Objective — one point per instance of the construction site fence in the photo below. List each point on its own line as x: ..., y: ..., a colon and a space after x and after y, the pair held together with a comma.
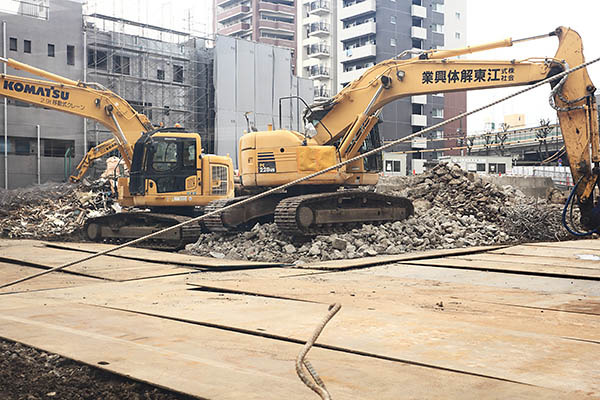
x: 560, y: 175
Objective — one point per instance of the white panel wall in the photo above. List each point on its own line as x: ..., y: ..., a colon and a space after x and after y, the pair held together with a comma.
x: 250, y: 78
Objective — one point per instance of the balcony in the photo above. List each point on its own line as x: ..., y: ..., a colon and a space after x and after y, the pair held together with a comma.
x: 227, y: 3
x: 356, y: 9
x: 416, y: 32
x: 279, y: 42
x: 418, y: 120
x: 318, y: 29
x: 419, y: 143
x: 322, y: 93
x: 319, y: 7
x: 418, y: 11
x: 282, y: 8
x: 277, y: 25
x: 318, y: 72
x: 421, y: 99
x: 349, y: 76
x: 357, y: 31
x: 232, y: 13
x: 240, y: 27
x: 369, y: 50
x: 318, y: 50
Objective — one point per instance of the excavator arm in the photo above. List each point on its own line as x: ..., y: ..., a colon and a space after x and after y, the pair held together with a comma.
x: 94, y: 153
x: 85, y: 100
x: 346, y: 119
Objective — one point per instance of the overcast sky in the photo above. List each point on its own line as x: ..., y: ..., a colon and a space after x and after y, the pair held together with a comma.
x: 494, y: 20
x: 486, y: 21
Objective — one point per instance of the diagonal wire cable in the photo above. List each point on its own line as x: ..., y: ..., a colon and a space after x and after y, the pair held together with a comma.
x: 317, y: 386
x: 315, y: 174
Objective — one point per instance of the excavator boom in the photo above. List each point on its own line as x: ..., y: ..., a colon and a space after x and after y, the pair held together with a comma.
x: 345, y: 123
x: 168, y: 171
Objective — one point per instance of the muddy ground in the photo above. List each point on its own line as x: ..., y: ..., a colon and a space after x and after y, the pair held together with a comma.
x: 27, y: 373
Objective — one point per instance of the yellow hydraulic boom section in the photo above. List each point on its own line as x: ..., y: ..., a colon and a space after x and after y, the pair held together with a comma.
x: 94, y: 153
x: 81, y: 99
x: 344, y: 122
x: 170, y: 168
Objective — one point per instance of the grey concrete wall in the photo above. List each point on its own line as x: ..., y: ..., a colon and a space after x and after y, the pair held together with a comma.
x: 62, y: 28
x: 251, y: 77
x: 530, y: 185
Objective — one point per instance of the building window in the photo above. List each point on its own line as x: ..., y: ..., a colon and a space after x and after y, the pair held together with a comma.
x: 438, y: 7
x: 437, y: 28
x: 417, y: 109
x: 26, y: 46
x: 121, y: 65
x: 393, y: 42
x: 457, y: 35
x: 12, y: 46
x: 438, y: 134
x: 392, y: 166
x: 50, y: 50
x: 97, y: 59
x: 393, y: 19
x: 417, y: 44
x: 178, y: 73
x: 417, y: 2
x: 70, y: 55
x: 160, y: 74
x: 23, y: 146
x: 57, y: 147
x: 480, y: 167
x: 437, y: 112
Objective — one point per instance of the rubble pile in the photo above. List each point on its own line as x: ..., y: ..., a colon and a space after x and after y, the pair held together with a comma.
x: 453, y: 209
x: 51, y: 209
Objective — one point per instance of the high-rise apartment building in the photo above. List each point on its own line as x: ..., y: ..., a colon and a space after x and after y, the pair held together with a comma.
x: 317, y: 48
x: 339, y: 39
x: 455, y: 103
x: 265, y: 21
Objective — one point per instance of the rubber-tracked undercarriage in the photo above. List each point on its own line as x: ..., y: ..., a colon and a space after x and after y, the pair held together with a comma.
x: 122, y: 227
x: 311, y: 214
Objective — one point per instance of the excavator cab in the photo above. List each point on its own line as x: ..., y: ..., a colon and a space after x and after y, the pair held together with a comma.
x: 167, y: 161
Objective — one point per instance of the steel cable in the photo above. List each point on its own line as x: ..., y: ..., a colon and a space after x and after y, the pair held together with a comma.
x: 313, y: 175
x: 316, y: 385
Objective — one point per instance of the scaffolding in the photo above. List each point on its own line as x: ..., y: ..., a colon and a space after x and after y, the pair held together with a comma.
x: 163, y: 73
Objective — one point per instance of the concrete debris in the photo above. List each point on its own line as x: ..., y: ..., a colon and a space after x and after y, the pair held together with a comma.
x: 52, y: 210
x: 453, y: 209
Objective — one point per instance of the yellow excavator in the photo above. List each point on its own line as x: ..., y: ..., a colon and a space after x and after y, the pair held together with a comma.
x: 344, y: 127
x: 168, y: 170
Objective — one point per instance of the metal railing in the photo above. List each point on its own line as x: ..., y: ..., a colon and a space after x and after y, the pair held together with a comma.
x: 28, y: 8
x: 318, y: 49
x: 318, y: 70
x: 322, y: 92
x: 318, y: 27
x: 319, y: 5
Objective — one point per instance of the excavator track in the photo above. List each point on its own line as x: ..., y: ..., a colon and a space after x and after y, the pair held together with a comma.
x: 326, y: 213
x: 243, y: 217
x: 123, y: 227
x: 215, y: 223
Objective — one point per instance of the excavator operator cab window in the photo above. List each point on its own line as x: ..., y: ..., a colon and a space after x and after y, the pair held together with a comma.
x: 189, y: 154
x: 165, y: 156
